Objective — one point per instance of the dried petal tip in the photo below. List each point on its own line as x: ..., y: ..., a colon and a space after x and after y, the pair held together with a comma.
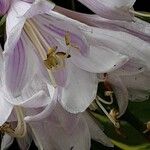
x: 4, y: 6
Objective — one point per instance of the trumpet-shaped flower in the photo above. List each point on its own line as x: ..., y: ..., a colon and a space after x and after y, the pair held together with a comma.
x: 62, y: 130
x: 34, y: 95
x: 39, y: 38
x: 136, y: 67
x: 137, y: 28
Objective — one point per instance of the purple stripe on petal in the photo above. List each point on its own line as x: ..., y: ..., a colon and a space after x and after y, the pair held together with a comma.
x: 4, y: 6
x: 15, y: 63
x: 96, y: 21
x: 60, y: 76
x: 56, y: 26
x: 74, y: 38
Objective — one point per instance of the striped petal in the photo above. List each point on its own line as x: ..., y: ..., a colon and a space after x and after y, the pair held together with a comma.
x: 19, y: 67
x: 121, y: 93
x: 137, y: 28
x: 6, y: 142
x: 112, y: 9
x: 5, y: 110
x: 80, y: 89
x: 4, y: 6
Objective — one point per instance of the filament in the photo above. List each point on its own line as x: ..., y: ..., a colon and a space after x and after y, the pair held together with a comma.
x: 104, y: 101
x: 116, y: 124
x: 140, y: 14
x: 33, y: 35
x: 21, y: 129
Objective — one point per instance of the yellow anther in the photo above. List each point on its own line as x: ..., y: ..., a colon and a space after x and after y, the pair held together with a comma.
x: 68, y: 39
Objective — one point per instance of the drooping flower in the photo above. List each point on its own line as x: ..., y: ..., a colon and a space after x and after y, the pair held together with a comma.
x: 36, y: 37
x: 62, y: 130
x: 34, y: 95
x: 137, y: 27
x: 136, y: 67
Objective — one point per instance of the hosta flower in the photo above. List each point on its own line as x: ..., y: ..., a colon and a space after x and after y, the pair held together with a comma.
x: 34, y: 95
x: 39, y: 38
x: 137, y: 28
x: 137, y: 64
x: 62, y: 130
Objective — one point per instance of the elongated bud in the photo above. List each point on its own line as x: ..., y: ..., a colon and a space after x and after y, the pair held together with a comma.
x: 4, y: 6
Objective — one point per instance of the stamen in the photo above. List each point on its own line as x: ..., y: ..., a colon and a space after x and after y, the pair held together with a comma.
x: 56, y: 60
x: 104, y: 101
x: 108, y: 90
x: 93, y: 106
x: 116, y: 124
x: 140, y: 14
x: 33, y: 35
x: 35, y: 40
x: 68, y: 41
x: 21, y: 129
x: 148, y: 127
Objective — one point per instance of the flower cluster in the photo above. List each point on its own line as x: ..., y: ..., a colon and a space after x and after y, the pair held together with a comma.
x: 53, y: 61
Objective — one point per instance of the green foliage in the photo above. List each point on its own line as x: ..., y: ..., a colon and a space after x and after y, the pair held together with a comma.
x: 134, y: 139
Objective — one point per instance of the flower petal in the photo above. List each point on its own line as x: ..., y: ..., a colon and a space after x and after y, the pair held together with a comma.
x: 55, y: 25
x: 40, y: 99
x: 120, y: 42
x: 138, y: 86
x: 6, y: 142
x: 4, y: 6
x: 80, y: 89
x: 55, y: 137
x: 137, y: 28
x: 120, y: 92
x: 1, y: 63
x: 99, y: 60
x: 47, y: 110
x: 132, y: 67
x: 5, y: 110
x: 19, y: 67
x: 25, y: 142
x: 112, y: 9
x: 17, y: 16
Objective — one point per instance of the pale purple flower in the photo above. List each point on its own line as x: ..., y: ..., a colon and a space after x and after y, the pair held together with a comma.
x: 32, y: 28
x: 34, y: 95
x: 62, y: 130
x: 136, y: 68
x: 138, y: 28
